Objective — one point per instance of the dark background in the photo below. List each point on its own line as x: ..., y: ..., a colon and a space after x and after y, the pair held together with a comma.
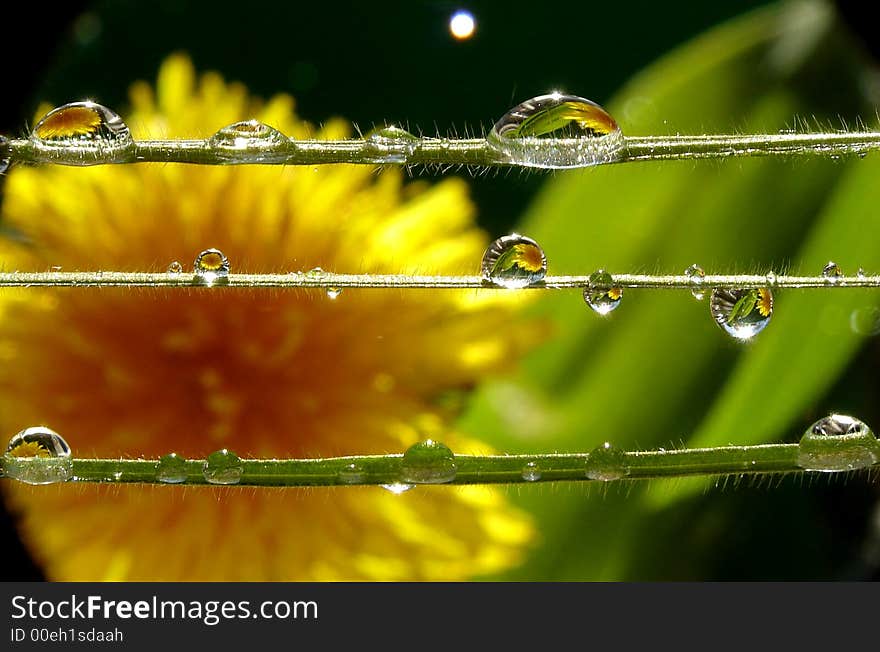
x: 396, y: 62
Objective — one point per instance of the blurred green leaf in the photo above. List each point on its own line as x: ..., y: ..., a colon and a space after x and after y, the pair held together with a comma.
x: 659, y: 369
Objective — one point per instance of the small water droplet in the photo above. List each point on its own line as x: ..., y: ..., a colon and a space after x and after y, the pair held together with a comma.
x: 333, y: 293
x: 211, y: 268
x: 865, y: 321
x: 89, y: 127
x: 390, y: 144
x: 316, y: 273
x: 222, y: 467
x: 696, y: 274
x: 838, y: 443
x: 531, y: 472
x: 771, y: 278
x: 5, y: 154
x: 602, y: 295
x: 742, y: 313
x: 514, y: 261
x: 252, y: 136
x: 428, y: 462
x: 38, y: 455
x: 351, y: 474
x: 606, y: 463
x: 831, y: 272
x: 557, y: 131
x: 861, y: 273
x: 174, y: 267
x: 397, y: 488
x: 171, y: 469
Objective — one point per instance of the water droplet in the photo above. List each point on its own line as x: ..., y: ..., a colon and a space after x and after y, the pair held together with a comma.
x: 696, y: 274
x: 742, y: 313
x: 531, y: 472
x: 831, y: 272
x: 5, y: 154
x: 87, y: 126
x: 171, y: 469
x: 397, y: 488
x: 333, y: 293
x: 861, y: 273
x: 514, y: 261
x: 557, y: 131
x: 838, y: 443
x: 390, y: 145
x: 38, y: 455
x: 351, y: 474
x: 211, y: 267
x: 251, y: 136
x: 771, y: 278
x: 222, y: 467
x: 428, y: 462
x: 606, y: 463
x: 602, y: 295
x: 865, y: 321
x: 174, y: 267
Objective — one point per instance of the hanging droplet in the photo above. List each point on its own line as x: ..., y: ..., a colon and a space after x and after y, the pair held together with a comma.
x: 557, y: 131
x: 696, y: 274
x: 351, y: 473
x: 222, y: 467
x: 87, y: 127
x: 259, y: 140
x: 531, y: 472
x: 606, y: 463
x: 390, y: 145
x: 333, y: 293
x: 831, y: 272
x: 38, y: 455
x: 602, y: 295
x: 428, y: 462
x: 211, y: 268
x: 514, y: 261
x: 171, y: 469
x: 742, y: 313
x: 838, y: 443
x: 174, y: 267
x: 398, y: 488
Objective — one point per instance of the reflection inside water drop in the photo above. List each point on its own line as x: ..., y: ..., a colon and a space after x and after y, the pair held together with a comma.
x: 428, y: 462
x: 696, y: 274
x: 838, y: 443
x: 514, y: 261
x: 557, y: 131
x: 602, y: 295
x: 742, y: 313
x: 250, y: 136
x: 390, y: 144
x: 222, y: 467
x: 38, y: 455
x: 832, y: 272
x: 211, y: 268
x: 171, y: 469
x: 87, y: 126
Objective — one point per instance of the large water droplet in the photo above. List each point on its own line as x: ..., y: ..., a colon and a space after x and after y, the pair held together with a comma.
x: 514, y: 261
x: 211, y: 268
x: 258, y: 139
x: 397, y: 488
x: 602, y: 295
x: 557, y: 131
x: 832, y: 272
x: 89, y: 127
x: 351, y: 473
x: 222, y: 467
x: 390, y: 145
x: 38, y: 455
x: 606, y: 463
x: 838, y: 443
x: 696, y: 274
x: 531, y: 472
x: 171, y: 469
x: 742, y: 313
x: 428, y: 462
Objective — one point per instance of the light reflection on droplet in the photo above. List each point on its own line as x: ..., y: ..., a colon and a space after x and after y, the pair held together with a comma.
x: 514, y: 261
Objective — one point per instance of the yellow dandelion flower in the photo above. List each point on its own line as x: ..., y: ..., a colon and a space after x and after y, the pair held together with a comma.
x: 264, y: 373
x: 765, y: 302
